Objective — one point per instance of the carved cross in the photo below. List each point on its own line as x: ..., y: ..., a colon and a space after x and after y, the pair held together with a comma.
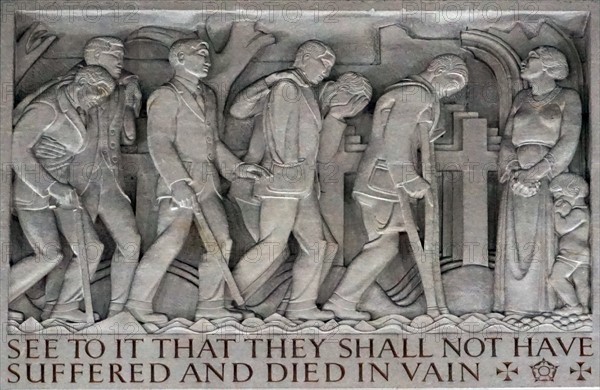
x: 474, y: 160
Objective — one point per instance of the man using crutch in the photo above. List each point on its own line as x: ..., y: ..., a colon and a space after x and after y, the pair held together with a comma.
x: 390, y: 174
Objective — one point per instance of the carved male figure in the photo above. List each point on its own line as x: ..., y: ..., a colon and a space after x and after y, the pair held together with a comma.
x: 404, y: 121
x: 111, y: 125
x: 570, y: 275
x: 96, y: 172
x: 185, y: 147
x: 55, y: 121
x: 338, y: 100
x: 291, y: 126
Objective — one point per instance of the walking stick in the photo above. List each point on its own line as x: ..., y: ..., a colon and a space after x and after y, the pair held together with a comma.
x: 422, y: 258
x: 207, y: 236
x: 432, y: 211
x: 77, y: 217
x: 83, y: 264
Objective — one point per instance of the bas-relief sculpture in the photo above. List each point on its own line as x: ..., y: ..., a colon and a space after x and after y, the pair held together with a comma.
x: 389, y: 176
x: 71, y: 128
x: 541, y: 135
x: 48, y: 135
x: 188, y: 154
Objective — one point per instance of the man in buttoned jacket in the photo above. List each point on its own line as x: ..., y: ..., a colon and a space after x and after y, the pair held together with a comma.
x: 291, y: 127
x: 389, y: 172
x: 99, y: 177
x: 96, y: 171
x: 185, y: 147
x: 48, y: 135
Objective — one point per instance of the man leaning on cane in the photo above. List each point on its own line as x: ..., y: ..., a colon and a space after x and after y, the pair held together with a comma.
x: 390, y: 173
x: 185, y: 147
x: 49, y: 133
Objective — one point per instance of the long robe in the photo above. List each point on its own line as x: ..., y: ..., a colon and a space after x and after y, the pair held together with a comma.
x: 536, y: 130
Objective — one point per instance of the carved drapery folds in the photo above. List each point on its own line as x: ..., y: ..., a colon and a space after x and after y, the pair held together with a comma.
x: 380, y: 199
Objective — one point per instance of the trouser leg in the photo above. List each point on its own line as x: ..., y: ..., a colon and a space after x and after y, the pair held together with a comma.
x: 72, y: 289
x: 116, y: 213
x: 54, y: 282
x: 366, y: 267
x: 277, y: 218
x: 41, y: 231
x: 375, y: 255
x: 173, y: 228
x: 211, y: 285
x: 330, y: 252
x: 306, y: 272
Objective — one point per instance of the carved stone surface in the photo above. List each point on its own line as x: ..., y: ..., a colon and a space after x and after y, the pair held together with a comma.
x: 354, y: 194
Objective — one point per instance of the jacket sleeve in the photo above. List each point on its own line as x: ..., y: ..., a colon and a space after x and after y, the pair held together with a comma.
x: 401, y: 135
x: 249, y: 102
x: 331, y: 136
x: 225, y: 160
x: 35, y: 119
x: 282, y: 122
x: 162, y: 126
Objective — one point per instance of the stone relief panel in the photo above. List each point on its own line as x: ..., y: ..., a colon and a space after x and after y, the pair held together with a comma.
x: 194, y: 174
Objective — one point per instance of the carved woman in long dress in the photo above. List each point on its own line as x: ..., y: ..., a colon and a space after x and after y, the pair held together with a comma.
x: 539, y: 142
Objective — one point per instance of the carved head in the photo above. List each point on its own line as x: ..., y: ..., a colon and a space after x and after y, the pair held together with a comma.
x: 545, y: 61
x: 448, y: 74
x: 314, y: 60
x: 107, y: 52
x: 341, y: 91
x: 92, y: 86
x: 568, y: 190
x: 190, y: 56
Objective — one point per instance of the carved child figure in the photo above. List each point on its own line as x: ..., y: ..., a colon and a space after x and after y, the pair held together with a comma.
x: 570, y: 275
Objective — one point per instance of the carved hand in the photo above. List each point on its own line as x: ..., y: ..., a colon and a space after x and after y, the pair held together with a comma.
x: 524, y: 187
x: 133, y: 95
x: 64, y: 194
x: 49, y: 148
x: 509, y: 171
x: 348, y: 110
x: 183, y: 194
x: 416, y: 188
x: 536, y: 172
x: 251, y: 171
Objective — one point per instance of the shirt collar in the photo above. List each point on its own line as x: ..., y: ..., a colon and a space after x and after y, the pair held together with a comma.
x: 65, y: 101
x: 188, y: 84
x: 423, y: 81
x: 301, y: 78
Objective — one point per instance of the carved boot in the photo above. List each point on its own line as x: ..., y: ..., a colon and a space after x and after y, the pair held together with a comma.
x: 144, y: 313
x: 216, y: 313
x: 114, y: 309
x: 69, y: 312
x: 16, y: 316
x: 345, y: 310
x: 47, y: 311
x: 311, y: 314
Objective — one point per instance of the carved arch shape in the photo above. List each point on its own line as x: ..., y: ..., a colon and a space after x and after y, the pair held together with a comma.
x: 504, y: 62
